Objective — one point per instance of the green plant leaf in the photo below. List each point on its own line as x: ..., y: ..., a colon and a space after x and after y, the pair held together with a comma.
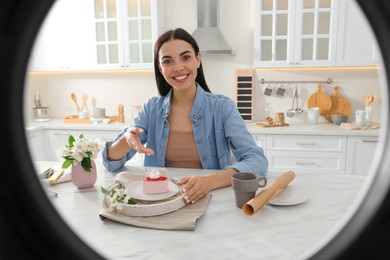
x: 105, y: 191
x: 66, y: 164
x: 86, y: 164
x: 71, y: 141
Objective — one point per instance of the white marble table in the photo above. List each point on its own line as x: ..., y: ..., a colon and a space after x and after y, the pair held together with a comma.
x: 224, y: 231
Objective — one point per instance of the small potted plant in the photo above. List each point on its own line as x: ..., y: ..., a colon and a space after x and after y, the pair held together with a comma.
x: 80, y: 153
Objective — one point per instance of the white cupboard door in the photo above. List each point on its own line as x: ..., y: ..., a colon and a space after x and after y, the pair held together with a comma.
x: 306, y: 162
x: 57, y: 140
x: 356, y: 44
x: 36, y: 141
x: 360, y: 154
x: 315, y: 33
x: 65, y: 38
x: 109, y: 135
x: 125, y: 33
x: 295, y: 33
x: 274, y: 33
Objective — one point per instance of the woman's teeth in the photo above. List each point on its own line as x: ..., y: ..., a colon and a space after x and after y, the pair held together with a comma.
x: 181, y: 77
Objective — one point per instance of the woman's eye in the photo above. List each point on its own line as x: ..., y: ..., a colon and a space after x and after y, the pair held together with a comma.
x: 166, y: 62
x: 186, y: 57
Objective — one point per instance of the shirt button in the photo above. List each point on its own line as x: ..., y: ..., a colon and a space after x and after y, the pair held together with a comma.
x: 204, y: 158
x: 197, y: 123
x: 199, y: 141
x: 194, y: 116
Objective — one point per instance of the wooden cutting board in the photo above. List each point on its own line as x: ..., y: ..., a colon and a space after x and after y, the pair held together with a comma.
x: 320, y: 99
x: 340, y: 105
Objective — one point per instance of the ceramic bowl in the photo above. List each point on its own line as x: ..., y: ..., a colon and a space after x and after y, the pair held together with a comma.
x: 338, y: 119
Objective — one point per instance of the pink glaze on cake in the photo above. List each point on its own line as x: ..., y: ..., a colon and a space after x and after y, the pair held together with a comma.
x: 154, y: 183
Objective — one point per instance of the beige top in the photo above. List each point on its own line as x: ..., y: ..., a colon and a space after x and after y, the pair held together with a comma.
x: 181, y: 150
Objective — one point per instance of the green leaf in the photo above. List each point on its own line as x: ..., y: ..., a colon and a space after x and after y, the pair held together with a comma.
x: 66, y: 164
x: 71, y: 141
x: 105, y: 191
x: 86, y: 164
x: 132, y: 201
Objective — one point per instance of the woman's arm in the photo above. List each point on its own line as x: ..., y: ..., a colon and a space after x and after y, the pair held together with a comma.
x: 196, y: 187
x: 125, y: 143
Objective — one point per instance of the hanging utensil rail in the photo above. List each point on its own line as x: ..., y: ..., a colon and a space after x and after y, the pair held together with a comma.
x: 263, y: 81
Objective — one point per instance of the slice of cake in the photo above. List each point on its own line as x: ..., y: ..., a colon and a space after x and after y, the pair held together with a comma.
x: 154, y: 182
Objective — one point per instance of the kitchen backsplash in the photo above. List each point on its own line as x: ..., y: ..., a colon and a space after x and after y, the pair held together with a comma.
x: 108, y: 89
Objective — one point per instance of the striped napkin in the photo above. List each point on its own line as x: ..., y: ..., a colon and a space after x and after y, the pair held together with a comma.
x: 185, y: 218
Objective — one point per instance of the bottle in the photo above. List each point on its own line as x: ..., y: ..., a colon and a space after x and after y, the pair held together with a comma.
x: 121, y: 114
x: 37, y: 100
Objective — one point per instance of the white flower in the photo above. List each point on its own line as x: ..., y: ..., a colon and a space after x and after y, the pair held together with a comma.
x: 79, y: 149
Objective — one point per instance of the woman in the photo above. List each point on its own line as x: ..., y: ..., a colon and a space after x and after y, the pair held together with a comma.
x: 187, y: 126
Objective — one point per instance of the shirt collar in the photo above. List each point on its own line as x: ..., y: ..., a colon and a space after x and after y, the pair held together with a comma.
x: 196, y: 110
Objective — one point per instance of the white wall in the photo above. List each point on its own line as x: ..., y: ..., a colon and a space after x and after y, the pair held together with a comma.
x: 108, y: 89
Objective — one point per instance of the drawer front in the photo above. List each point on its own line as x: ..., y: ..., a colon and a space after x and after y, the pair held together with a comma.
x: 306, y: 162
x: 306, y: 143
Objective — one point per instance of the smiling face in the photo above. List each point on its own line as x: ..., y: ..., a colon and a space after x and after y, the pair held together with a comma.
x: 178, y: 63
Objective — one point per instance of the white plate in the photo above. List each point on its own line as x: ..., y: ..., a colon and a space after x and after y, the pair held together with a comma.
x: 146, y: 210
x: 135, y: 190
x: 289, y: 196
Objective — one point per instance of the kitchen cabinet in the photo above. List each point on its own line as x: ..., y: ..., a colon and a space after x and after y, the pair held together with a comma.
x: 65, y: 38
x: 110, y: 135
x: 57, y: 139
x: 125, y: 34
x: 36, y: 141
x: 360, y: 154
x: 305, y: 154
x: 295, y: 33
x: 356, y: 44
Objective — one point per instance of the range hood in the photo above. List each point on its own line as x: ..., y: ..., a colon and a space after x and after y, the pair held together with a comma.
x: 208, y: 35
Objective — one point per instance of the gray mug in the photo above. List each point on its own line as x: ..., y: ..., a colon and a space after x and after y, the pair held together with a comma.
x: 245, y: 186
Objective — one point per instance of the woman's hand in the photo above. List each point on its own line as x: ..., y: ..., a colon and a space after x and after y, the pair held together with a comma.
x: 135, y: 143
x: 195, y: 188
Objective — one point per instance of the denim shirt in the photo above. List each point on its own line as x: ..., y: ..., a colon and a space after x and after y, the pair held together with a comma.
x: 218, y: 130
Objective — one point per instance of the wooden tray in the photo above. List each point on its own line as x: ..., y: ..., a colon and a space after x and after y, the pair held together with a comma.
x: 261, y: 124
x: 340, y: 105
x: 320, y: 99
x: 74, y: 119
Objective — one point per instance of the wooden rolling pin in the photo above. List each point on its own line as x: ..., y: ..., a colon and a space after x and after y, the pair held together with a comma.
x: 266, y: 195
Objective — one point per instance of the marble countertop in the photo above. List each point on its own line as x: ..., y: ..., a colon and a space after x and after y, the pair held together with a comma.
x: 224, y: 231
x: 293, y: 128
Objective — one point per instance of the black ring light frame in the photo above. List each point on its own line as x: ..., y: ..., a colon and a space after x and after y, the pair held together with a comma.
x: 31, y: 227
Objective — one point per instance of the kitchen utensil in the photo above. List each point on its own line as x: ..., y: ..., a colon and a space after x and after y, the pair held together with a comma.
x: 121, y: 113
x: 74, y: 98
x: 268, y: 90
x: 361, y: 117
x: 340, y: 105
x: 84, y: 104
x: 245, y: 186
x: 338, y: 119
x: 279, y: 118
x: 312, y: 115
x: 368, y: 100
x: 297, y: 108
x: 41, y: 114
x: 291, y: 112
x: 281, y: 90
x: 268, y: 193
x: 37, y: 100
x: 320, y: 99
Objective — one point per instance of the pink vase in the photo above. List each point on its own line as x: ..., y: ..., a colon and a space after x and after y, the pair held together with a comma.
x: 83, y: 179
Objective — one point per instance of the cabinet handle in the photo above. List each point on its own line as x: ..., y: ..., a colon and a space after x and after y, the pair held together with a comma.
x: 61, y: 133
x: 369, y: 141
x: 305, y: 163
x: 300, y: 143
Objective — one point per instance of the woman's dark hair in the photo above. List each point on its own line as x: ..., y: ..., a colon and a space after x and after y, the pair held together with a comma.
x: 177, y: 34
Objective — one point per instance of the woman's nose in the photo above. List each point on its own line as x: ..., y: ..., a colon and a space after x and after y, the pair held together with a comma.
x: 178, y: 66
